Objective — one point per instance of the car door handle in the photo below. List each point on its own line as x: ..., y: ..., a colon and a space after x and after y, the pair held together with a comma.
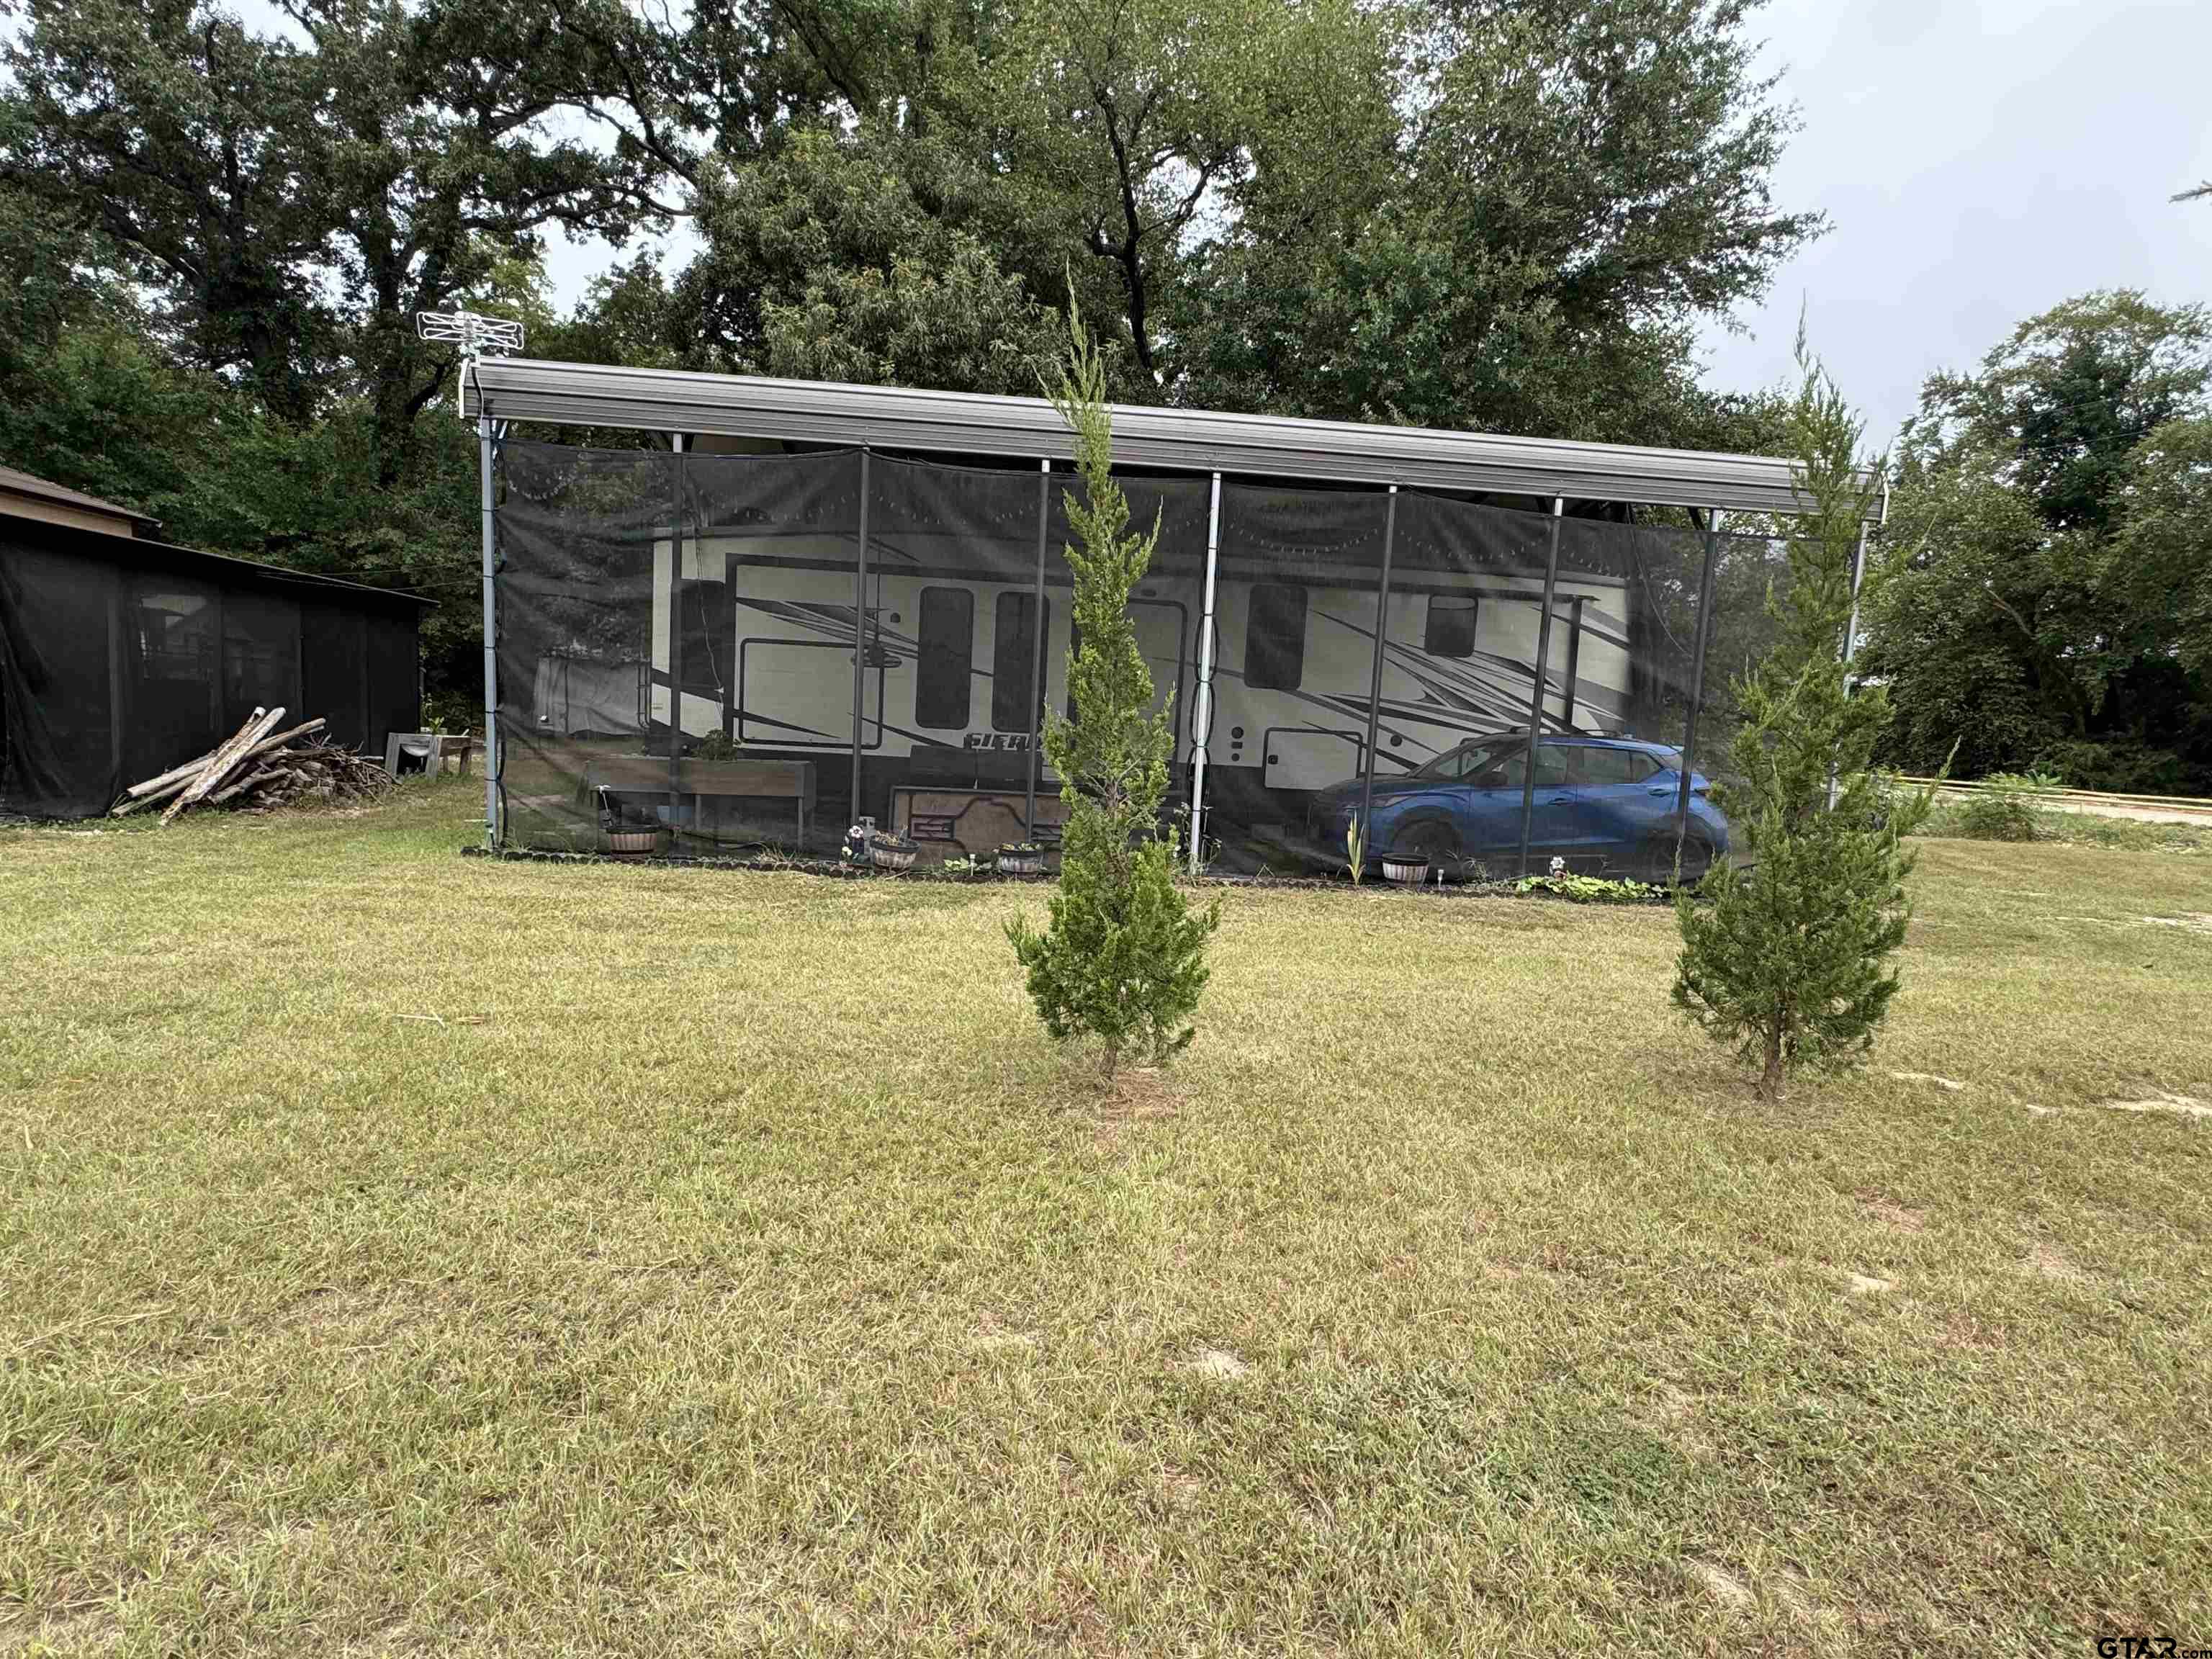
x: 1558, y: 801
x: 1668, y: 789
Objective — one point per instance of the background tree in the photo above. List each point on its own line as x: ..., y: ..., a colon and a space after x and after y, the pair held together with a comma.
x: 1122, y: 959
x: 1562, y: 192
x: 1789, y: 962
x: 1502, y: 216
x: 2049, y: 495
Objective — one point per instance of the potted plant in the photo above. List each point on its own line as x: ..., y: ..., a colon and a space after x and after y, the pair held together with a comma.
x: 1407, y: 871
x: 966, y: 867
x: 626, y: 838
x: 1022, y: 858
x: 889, y: 850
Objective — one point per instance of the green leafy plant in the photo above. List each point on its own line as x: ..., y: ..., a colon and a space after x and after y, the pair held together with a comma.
x: 1123, y: 959
x: 1590, y: 889
x: 1355, y: 850
x: 716, y: 746
x: 2008, y: 806
x: 1789, y: 962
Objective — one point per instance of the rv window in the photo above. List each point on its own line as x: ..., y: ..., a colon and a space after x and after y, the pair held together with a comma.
x: 946, y: 635
x: 1451, y: 625
x: 1275, y: 638
x: 1014, y: 661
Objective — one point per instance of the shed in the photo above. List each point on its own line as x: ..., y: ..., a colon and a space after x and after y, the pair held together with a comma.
x: 122, y: 655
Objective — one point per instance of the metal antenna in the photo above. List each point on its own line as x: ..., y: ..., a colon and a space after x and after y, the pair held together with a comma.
x: 475, y: 334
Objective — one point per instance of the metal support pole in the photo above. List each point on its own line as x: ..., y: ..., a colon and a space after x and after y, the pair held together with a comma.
x: 859, y: 635
x: 1202, y: 730
x: 1542, y: 674
x: 676, y: 639
x: 1850, y: 640
x: 1697, y: 685
x: 1375, y: 684
x: 1036, y: 641
x: 492, y: 825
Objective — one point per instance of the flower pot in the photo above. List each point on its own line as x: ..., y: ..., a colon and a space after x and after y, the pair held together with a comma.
x: 1014, y: 863
x: 885, y: 854
x: 1407, y: 872
x: 633, y: 843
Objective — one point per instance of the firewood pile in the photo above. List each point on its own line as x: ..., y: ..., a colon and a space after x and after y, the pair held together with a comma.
x: 260, y: 769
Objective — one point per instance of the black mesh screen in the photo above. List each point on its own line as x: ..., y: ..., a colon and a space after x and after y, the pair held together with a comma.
x: 261, y: 654
x: 57, y: 753
x: 120, y: 660
x: 676, y: 646
x: 756, y: 650
x: 334, y: 670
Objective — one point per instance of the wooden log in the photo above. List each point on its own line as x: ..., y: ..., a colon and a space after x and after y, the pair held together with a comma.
x: 177, y: 774
x: 226, y: 760
x: 155, y: 798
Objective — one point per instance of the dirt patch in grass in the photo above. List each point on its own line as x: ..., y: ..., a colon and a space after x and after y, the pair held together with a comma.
x: 2179, y: 1105
x: 1217, y: 1363
x: 1724, y: 1586
x: 1950, y: 1085
x: 2047, y: 1260
x: 1902, y: 1217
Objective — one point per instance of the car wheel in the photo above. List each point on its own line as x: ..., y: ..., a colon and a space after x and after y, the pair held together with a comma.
x: 1657, y: 863
x: 1434, y: 840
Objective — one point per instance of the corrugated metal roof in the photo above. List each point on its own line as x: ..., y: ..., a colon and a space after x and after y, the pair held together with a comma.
x: 1194, y: 440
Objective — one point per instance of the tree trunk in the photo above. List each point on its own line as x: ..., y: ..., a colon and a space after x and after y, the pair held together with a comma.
x: 1772, y: 1081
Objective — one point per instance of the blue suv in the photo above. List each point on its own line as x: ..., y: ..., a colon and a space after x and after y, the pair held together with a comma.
x: 1606, y: 806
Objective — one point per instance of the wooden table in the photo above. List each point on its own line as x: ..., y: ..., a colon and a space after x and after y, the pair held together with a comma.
x: 763, y: 780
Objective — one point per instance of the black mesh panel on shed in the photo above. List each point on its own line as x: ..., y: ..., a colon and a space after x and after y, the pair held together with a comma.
x: 261, y: 662
x: 333, y: 671
x: 395, y: 678
x: 58, y: 757
x: 172, y: 670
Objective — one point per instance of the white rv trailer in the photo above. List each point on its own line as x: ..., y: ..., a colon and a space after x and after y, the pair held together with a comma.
x: 949, y: 659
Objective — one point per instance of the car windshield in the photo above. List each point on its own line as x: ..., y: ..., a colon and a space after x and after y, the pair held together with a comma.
x: 1473, y: 759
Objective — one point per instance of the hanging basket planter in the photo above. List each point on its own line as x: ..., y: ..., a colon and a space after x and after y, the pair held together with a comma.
x: 1405, y: 872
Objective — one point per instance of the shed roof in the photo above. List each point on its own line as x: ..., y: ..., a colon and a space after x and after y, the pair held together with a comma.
x: 1194, y: 440
x: 15, y: 482
x: 16, y: 530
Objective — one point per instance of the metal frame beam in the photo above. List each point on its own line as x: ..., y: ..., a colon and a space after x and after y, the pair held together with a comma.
x: 1187, y: 441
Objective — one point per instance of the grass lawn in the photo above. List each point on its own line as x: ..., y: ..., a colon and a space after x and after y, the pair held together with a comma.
x: 736, y: 1268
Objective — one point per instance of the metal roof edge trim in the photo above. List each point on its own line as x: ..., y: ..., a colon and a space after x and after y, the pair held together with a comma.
x: 903, y: 417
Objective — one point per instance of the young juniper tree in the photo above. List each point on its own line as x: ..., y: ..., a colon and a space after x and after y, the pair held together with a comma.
x: 1789, y: 960
x: 1123, y: 959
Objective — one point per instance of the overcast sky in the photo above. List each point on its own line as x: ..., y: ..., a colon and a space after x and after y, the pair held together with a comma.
x: 1980, y: 161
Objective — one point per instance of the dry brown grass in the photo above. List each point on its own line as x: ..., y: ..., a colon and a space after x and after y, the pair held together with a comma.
x: 752, y: 1275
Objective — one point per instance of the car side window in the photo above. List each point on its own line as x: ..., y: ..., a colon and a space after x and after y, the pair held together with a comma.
x: 1499, y: 769
x: 1551, y: 766
x: 1599, y: 766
